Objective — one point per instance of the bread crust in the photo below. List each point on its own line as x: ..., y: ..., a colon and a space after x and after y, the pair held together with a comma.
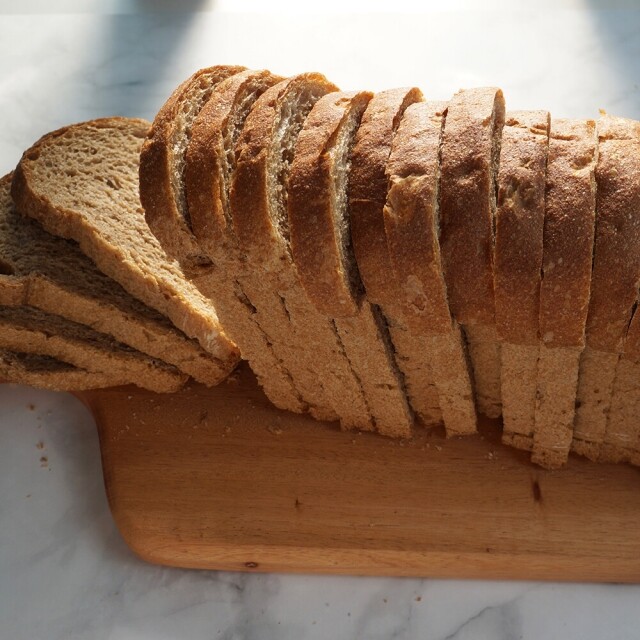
x: 410, y: 220
x: 471, y: 144
x: 368, y: 185
x: 159, y: 194
x: 569, y: 228
x: 520, y: 225
x: 616, y: 259
x: 315, y: 244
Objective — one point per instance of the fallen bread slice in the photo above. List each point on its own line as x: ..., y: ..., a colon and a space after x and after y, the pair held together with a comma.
x: 29, y: 330
x: 320, y: 241
x: 368, y: 187
x: 45, y: 372
x: 52, y: 274
x: 184, y: 194
x: 470, y: 156
x: 162, y: 166
x: 566, y: 281
x: 81, y: 182
x: 517, y: 267
x: 603, y: 428
x: 411, y: 220
x: 258, y: 204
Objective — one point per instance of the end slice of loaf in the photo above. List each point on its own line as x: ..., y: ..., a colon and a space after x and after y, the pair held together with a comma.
x: 162, y: 164
x: 321, y: 246
x: 599, y: 431
x: 411, y: 221
x: 44, y: 372
x: 368, y: 187
x: 517, y: 267
x: 566, y: 280
x: 258, y: 199
x: 53, y: 275
x: 81, y: 182
x: 470, y: 157
x: 29, y: 330
x: 180, y: 167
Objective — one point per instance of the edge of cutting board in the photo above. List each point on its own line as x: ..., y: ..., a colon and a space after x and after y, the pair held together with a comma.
x: 219, y: 479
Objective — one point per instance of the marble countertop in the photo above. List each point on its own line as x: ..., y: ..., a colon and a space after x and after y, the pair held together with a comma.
x: 65, y: 573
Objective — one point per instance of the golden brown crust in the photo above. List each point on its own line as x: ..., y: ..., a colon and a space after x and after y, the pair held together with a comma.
x: 616, y: 260
x: 410, y: 219
x: 568, y: 232
x: 157, y: 191
x: 249, y: 190
x: 368, y: 185
x: 314, y: 240
x: 520, y: 225
x: 471, y: 140
x: 204, y: 176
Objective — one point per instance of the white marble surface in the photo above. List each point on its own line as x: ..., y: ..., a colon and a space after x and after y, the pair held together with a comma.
x: 64, y: 571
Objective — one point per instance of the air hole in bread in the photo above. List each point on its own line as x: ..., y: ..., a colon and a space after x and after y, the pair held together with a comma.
x: 6, y: 269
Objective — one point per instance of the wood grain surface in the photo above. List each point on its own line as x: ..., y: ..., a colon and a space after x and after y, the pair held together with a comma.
x: 219, y: 479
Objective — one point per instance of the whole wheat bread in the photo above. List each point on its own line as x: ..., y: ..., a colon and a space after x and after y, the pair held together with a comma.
x: 29, y: 330
x: 320, y: 241
x: 566, y: 280
x: 204, y: 147
x: 162, y: 165
x: 517, y: 267
x: 368, y: 187
x: 599, y: 431
x: 411, y: 221
x: 52, y: 274
x: 44, y: 372
x: 470, y: 157
x: 258, y: 198
x: 81, y: 182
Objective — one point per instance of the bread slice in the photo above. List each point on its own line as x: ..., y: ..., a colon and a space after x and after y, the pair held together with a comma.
x: 53, y: 275
x: 368, y: 186
x: 209, y: 168
x: 470, y: 155
x: 566, y: 280
x: 162, y: 165
x: 320, y: 242
x: 81, y: 182
x: 174, y: 202
x: 517, y: 267
x: 45, y: 372
x: 258, y: 200
x: 411, y: 219
x: 600, y: 432
x: 29, y: 330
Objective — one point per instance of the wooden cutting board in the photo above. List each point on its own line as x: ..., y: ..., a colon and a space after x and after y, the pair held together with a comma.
x: 219, y: 479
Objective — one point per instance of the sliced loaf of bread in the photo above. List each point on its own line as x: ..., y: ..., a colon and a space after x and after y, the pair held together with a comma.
x: 180, y: 192
x: 81, y: 183
x: 52, y: 274
x: 606, y: 422
x: 368, y: 188
x: 470, y: 157
x: 566, y: 281
x: 44, y: 372
x: 517, y: 267
x: 321, y: 247
x: 29, y: 330
x: 411, y: 221
x: 258, y: 198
